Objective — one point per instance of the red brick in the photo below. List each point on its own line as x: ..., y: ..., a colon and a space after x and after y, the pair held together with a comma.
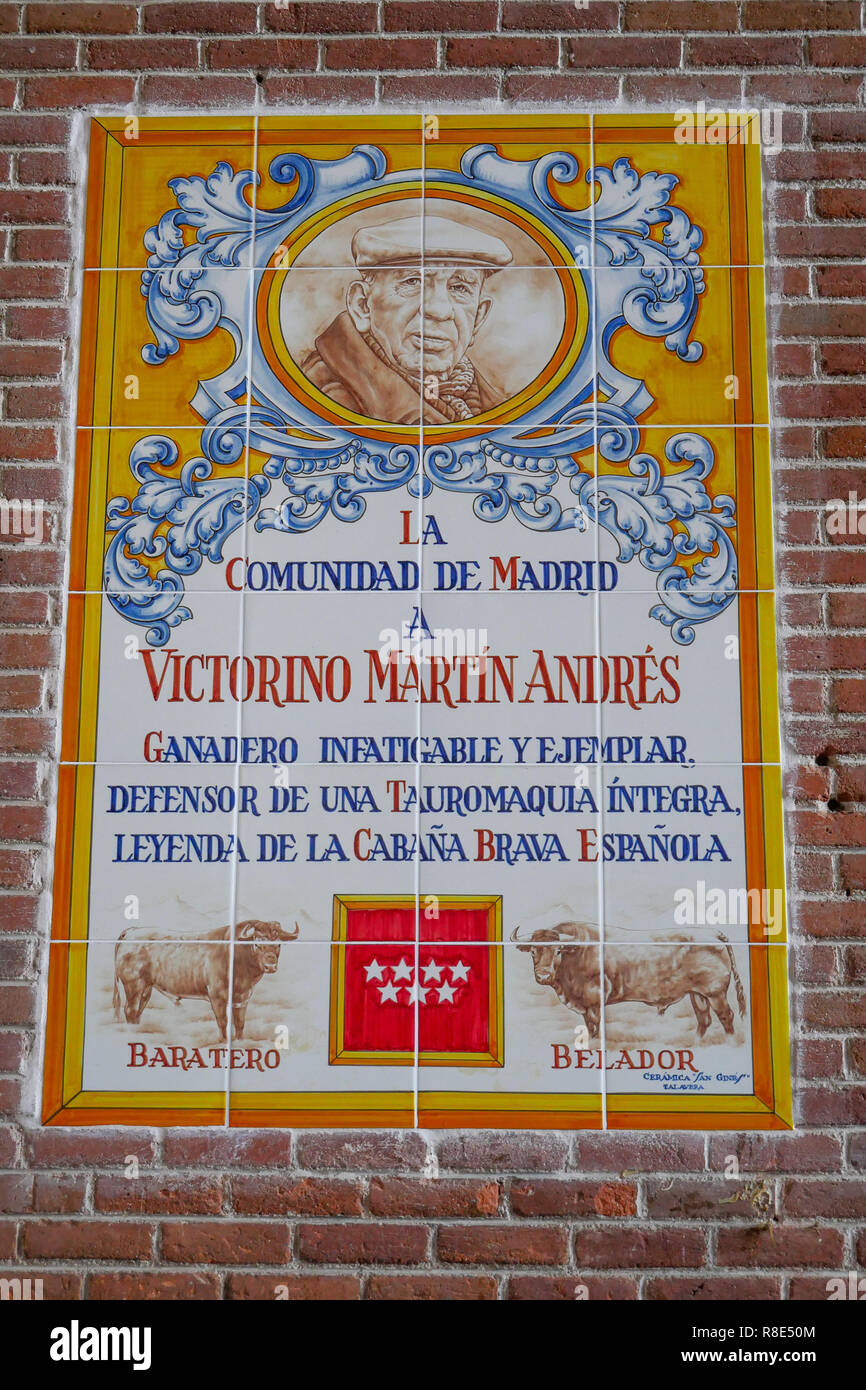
x: 16, y: 1193
x: 200, y: 17
x: 32, y: 54
x: 207, y: 90
x: 380, y: 55
x: 842, y: 51
x: 264, y: 52
x: 559, y: 16
x: 159, y: 1194
x: 427, y: 1288
x: 831, y: 651
x: 776, y: 1153
x: 557, y: 1288
x: 822, y: 1106
x: 78, y: 89
x: 559, y: 86
x: 707, y: 1200
x: 503, y: 1245
x: 337, y: 1243
x: 80, y: 19
x: 817, y: 240
x: 20, y: 913
x: 308, y: 1288
x: 788, y: 14
x: 846, y: 203
x: 42, y: 244
x: 737, y: 51
x: 433, y: 1198
x: 33, y: 205
x: 13, y: 1049
x: 31, y: 282
x: 44, y: 166
x: 17, y: 359
x: 819, y: 1057
x: 209, y: 1148
x: 809, y: 88
x: 17, y: 1002
x: 817, y: 165
x: 319, y: 87
x: 852, y: 869
x: 838, y: 1010
x: 571, y: 1197
x: 26, y: 823
x: 846, y: 609
x: 440, y: 86
x: 779, y: 1247
x: 66, y: 1239
x: 812, y: 873
x: 86, y: 1148
x: 838, y: 127
x: 141, y: 54
x: 842, y: 1199
x: 226, y: 1242
x: 630, y: 1247
x: 27, y: 734
x: 638, y: 1153
x: 61, y: 1193
x: 620, y: 51
x: 54, y: 1286
x: 445, y: 17
x: 321, y: 17
x: 296, y: 1196
x: 361, y: 1152
x: 24, y: 128
x: 19, y: 693
x: 845, y: 442
x: 811, y: 1287
x: 709, y: 1289
x: 156, y: 1284
x: 682, y: 18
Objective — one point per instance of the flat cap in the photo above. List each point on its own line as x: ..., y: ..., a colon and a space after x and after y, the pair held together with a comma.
x: 434, y: 239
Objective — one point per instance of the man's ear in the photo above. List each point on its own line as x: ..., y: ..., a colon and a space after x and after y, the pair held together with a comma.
x: 480, y: 315
x: 358, y: 305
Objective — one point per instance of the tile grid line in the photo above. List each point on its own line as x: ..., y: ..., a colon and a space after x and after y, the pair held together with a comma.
x: 599, y: 818
x: 239, y: 717
x: 418, y: 713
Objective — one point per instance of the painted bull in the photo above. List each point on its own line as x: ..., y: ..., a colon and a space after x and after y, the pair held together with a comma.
x: 568, y: 959
x: 187, y: 968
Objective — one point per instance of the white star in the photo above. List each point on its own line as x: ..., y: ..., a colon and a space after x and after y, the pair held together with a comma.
x: 417, y: 992
x: 389, y: 992
x: 374, y: 971
x: 402, y: 971
x: 432, y: 971
x: 459, y: 971
x: 446, y: 991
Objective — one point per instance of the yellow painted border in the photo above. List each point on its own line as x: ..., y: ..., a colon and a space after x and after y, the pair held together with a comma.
x: 65, y: 1102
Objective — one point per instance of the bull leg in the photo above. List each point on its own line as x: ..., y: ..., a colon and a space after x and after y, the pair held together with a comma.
x: 239, y: 1014
x: 136, y: 999
x: 219, y: 1004
x: 592, y: 1017
x: 722, y: 1010
x: 702, y: 1012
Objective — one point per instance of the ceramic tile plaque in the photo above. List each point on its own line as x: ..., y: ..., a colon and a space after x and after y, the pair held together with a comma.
x: 420, y: 756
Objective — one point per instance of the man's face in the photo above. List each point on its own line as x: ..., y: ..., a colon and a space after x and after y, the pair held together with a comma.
x: 387, y: 303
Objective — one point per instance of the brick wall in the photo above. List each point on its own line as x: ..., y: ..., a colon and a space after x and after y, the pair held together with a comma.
x: 381, y: 1215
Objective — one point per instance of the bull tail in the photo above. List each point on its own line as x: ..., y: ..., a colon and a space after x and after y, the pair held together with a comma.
x: 738, y: 984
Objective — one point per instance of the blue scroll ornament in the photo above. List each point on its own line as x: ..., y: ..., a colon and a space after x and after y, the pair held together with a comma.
x: 193, y: 286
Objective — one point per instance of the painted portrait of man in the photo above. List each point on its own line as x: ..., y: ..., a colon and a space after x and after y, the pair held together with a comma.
x: 407, y: 335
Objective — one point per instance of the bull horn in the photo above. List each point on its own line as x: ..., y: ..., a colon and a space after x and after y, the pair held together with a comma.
x: 514, y: 936
x: 292, y: 935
